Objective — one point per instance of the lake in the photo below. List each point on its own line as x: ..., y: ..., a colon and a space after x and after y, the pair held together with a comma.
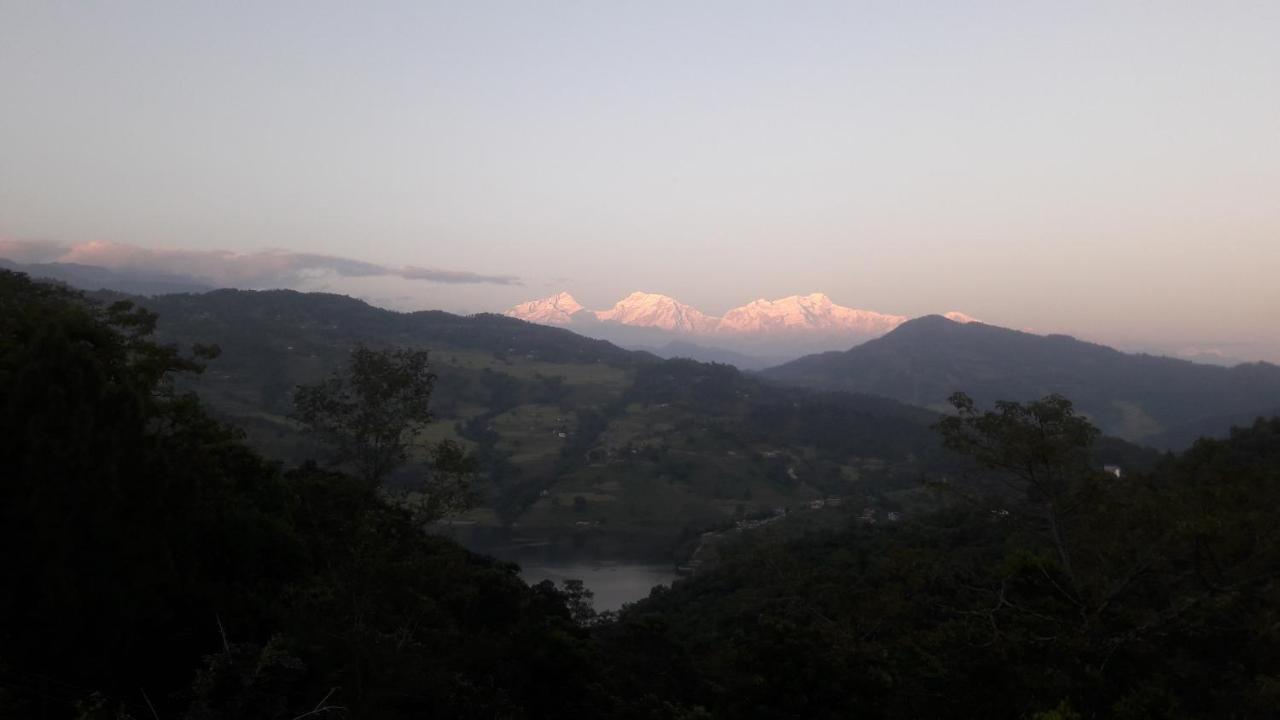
x: 616, y: 567
x: 614, y: 584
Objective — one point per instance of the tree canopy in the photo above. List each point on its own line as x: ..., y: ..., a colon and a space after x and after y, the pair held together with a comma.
x: 370, y: 414
x: 1156, y: 596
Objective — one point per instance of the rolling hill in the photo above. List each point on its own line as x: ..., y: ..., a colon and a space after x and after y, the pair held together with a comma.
x: 577, y: 437
x: 1158, y: 401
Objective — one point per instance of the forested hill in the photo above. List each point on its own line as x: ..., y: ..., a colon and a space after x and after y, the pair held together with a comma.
x: 273, y: 341
x: 571, y: 432
x: 1142, y: 398
x: 306, y: 321
x: 1167, y: 609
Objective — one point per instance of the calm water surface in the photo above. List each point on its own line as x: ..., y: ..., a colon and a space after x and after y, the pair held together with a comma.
x: 610, y: 566
x: 614, y: 584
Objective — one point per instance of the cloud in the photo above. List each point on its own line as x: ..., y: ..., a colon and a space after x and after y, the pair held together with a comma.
x: 455, y: 277
x: 266, y: 269
x: 30, y: 251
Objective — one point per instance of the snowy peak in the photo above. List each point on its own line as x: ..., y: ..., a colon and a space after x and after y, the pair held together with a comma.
x: 643, y: 309
x: 806, y: 313
x: 555, y: 310
x: 797, y: 316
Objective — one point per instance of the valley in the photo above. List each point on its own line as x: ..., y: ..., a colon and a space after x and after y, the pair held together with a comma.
x: 576, y: 438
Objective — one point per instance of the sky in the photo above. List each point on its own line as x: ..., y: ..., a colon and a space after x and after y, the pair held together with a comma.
x: 1107, y: 169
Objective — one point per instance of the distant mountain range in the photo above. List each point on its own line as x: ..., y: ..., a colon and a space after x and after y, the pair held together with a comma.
x: 787, y: 327
x: 1159, y: 401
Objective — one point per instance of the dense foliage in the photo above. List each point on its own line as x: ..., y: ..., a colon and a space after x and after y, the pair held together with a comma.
x: 1048, y: 589
x: 370, y: 413
x: 152, y: 560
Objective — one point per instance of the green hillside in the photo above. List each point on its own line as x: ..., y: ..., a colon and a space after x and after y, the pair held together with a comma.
x: 574, y: 435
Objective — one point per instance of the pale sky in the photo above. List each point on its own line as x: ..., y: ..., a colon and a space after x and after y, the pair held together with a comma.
x: 1108, y: 169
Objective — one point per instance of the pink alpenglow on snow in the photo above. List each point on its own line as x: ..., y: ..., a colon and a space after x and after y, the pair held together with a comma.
x: 806, y: 313
x: 641, y: 309
x: 555, y: 310
x: 796, y: 315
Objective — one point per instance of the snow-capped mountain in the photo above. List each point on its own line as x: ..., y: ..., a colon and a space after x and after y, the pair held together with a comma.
x: 555, y: 310
x: 640, y: 309
x: 814, y: 313
x: 784, y: 328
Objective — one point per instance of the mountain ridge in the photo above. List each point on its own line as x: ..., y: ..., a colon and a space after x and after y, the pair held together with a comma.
x: 814, y: 313
x: 555, y: 310
x: 645, y: 309
x: 1139, y: 397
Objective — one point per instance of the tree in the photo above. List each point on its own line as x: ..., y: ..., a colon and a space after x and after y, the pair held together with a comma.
x: 371, y: 415
x: 1039, y: 450
x: 449, y: 488
x: 1110, y: 579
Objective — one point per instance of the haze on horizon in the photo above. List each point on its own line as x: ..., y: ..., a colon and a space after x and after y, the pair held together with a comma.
x: 1111, y: 170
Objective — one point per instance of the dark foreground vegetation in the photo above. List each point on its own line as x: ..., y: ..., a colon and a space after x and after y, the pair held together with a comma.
x: 154, y: 566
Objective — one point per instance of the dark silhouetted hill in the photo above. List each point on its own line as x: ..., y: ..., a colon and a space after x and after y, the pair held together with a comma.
x: 1159, y: 401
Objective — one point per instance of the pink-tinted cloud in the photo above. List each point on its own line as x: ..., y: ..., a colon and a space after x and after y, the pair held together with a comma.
x: 271, y: 268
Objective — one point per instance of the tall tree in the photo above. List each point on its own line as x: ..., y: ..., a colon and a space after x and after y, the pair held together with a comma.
x: 371, y: 415
x: 1039, y: 450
